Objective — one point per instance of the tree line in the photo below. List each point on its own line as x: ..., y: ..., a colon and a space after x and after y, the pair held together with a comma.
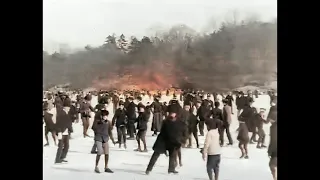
x: 229, y: 57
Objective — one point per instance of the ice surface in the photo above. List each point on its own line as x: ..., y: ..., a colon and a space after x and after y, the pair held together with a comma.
x: 128, y: 164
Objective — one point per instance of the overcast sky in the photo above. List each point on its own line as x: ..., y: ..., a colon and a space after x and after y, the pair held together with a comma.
x: 81, y: 22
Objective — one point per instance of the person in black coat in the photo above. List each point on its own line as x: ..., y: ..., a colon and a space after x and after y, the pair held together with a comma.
x: 120, y: 120
x: 142, y: 127
x: 131, y: 114
x: 63, y: 125
x: 171, y: 137
x: 202, y: 114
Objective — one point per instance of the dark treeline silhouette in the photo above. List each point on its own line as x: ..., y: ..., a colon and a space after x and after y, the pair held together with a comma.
x: 230, y: 57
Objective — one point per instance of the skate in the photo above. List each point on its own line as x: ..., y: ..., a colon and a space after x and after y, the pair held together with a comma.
x: 93, y: 152
x: 96, y: 169
x: 145, y: 150
x: 246, y: 157
x: 58, y: 162
x: 64, y: 161
x: 242, y: 156
x: 125, y: 146
x: 198, y: 146
x: 263, y: 146
x: 47, y: 144
x: 230, y: 144
x: 130, y: 138
x: 147, y: 172
x: 107, y: 170
x: 138, y: 149
x: 173, y: 172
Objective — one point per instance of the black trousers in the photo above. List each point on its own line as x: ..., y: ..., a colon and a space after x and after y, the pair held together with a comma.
x: 193, y: 132
x: 131, y: 128
x: 121, y: 131
x: 213, y: 164
x: 225, y: 128
x: 201, y: 127
x: 172, y: 160
x: 262, y: 135
x: 63, y: 148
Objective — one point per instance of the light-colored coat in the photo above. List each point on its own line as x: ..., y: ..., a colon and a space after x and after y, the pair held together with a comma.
x: 212, y: 143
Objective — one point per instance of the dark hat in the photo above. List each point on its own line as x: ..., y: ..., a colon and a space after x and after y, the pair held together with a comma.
x: 45, y: 105
x: 121, y: 103
x: 104, y: 113
x: 67, y: 103
x: 173, y: 109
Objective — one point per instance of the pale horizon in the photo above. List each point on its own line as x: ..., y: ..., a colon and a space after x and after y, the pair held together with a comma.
x: 77, y: 23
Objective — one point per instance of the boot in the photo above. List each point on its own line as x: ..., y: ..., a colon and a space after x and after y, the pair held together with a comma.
x: 107, y: 170
x: 96, y: 169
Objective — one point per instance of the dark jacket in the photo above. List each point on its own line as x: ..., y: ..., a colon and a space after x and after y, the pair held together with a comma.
x: 64, y: 119
x: 227, y: 114
x: 193, y: 122
x: 230, y: 100
x: 100, y: 128
x: 50, y: 125
x: 157, y: 108
x: 85, y: 109
x: 272, y: 150
x: 203, y: 112
x: 142, y: 121
x: 174, y: 133
x: 120, y: 118
x: 217, y: 114
x: 240, y: 102
x: 131, y: 111
x: 185, y: 116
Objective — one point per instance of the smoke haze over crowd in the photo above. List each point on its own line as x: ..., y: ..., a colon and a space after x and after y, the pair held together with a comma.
x: 232, y: 52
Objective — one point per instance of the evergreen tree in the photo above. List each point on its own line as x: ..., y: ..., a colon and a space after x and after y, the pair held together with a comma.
x: 122, y: 43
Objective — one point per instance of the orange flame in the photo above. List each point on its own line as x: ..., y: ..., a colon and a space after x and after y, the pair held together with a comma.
x: 151, y: 77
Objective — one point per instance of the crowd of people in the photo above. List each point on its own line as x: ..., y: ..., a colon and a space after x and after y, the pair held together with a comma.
x: 174, y: 123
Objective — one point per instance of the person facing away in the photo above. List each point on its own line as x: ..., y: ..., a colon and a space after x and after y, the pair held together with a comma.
x: 170, y: 138
x: 211, y: 150
x: 227, y: 118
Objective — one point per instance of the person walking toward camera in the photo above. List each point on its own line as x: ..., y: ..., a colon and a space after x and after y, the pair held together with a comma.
x: 101, y: 138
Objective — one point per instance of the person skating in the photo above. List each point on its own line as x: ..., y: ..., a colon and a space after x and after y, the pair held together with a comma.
x: 227, y: 118
x: 211, y: 150
x: 142, y: 127
x: 85, y: 110
x: 101, y: 137
x: 131, y: 110
x: 170, y: 138
x: 49, y: 120
x: 272, y: 149
x: 63, y: 125
x: 120, y: 120
x: 156, y: 109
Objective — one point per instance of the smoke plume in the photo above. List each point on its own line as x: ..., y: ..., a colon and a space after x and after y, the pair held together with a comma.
x: 232, y: 56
